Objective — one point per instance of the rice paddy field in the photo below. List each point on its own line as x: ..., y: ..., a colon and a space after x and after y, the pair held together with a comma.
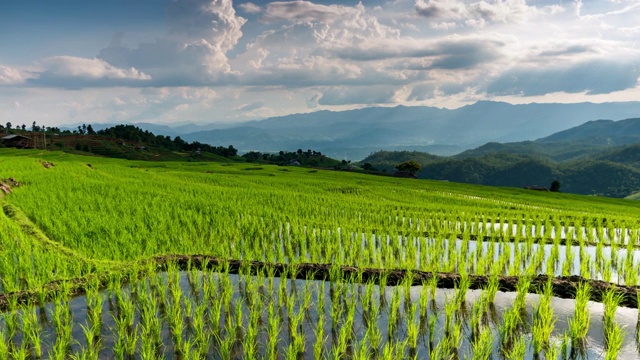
x: 104, y: 258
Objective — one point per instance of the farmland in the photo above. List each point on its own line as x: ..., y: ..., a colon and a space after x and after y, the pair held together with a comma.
x: 104, y: 258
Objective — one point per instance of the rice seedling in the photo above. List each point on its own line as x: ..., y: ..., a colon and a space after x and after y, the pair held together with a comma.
x: 492, y: 288
x: 413, y: 328
x: 614, y: 337
x: 482, y: 345
x: 394, y: 312
x: 613, y: 334
x: 202, y: 337
x: 31, y: 331
x: 4, y: 348
x: 93, y: 344
x: 543, y: 322
x: 11, y: 319
x: 226, y: 343
x: 434, y: 227
x: 519, y: 304
x: 517, y: 351
x: 131, y: 341
x: 61, y: 315
x: 273, y: 332
x: 509, y: 329
x: 21, y: 353
x: 579, y: 323
x: 119, y: 346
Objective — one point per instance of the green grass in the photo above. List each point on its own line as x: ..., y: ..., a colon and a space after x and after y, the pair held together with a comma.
x: 119, y: 209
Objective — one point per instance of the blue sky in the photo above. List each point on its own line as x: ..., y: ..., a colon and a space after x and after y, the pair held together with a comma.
x: 224, y: 61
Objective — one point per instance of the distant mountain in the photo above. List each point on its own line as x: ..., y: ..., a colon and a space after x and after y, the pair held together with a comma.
x: 589, y: 140
x: 598, y: 157
x: 354, y: 134
x: 165, y: 130
x: 600, y: 131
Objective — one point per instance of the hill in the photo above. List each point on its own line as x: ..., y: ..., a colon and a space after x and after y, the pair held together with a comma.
x: 125, y: 142
x: 598, y: 176
x: 132, y: 143
x: 354, y: 134
x: 597, y: 158
x: 600, y: 131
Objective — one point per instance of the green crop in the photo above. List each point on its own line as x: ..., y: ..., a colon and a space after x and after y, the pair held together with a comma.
x: 105, y: 231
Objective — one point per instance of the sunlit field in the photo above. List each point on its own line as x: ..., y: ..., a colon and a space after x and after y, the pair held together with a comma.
x: 104, y: 258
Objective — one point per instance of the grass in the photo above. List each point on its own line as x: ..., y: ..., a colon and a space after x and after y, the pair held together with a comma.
x: 98, y: 226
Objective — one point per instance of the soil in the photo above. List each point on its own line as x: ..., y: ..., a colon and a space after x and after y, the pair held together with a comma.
x: 47, y: 164
x: 563, y: 287
x: 7, y: 184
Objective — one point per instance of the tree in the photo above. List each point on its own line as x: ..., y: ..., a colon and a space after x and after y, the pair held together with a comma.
x: 90, y: 130
x: 555, y: 186
x: 410, y: 166
x: 368, y: 167
x: 8, y: 125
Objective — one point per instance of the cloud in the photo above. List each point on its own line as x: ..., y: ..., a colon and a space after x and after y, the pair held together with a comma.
x: 632, y: 7
x: 305, y: 11
x: 10, y: 76
x: 251, y: 106
x: 441, y: 9
x: 194, y: 49
x: 343, y: 95
x: 69, y: 71
x: 250, y: 8
x: 302, y: 53
x: 454, y: 52
x: 446, y: 13
x: 567, y: 50
x: 590, y: 77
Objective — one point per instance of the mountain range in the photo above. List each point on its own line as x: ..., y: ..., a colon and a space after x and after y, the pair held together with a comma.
x: 596, y: 158
x: 354, y: 134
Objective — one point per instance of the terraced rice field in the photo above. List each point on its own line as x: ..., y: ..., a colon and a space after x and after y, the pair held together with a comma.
x: 103, y: 258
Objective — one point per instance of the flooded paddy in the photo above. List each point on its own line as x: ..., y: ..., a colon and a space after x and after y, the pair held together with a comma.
x: 194, y: 314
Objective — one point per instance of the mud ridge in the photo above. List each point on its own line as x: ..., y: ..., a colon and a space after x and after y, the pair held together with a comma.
x: 564, y: 287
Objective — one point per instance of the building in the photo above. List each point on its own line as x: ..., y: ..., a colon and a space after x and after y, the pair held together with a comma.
x: 18, y: 141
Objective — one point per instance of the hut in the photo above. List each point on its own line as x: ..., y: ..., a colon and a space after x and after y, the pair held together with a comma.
x: 17, y: 141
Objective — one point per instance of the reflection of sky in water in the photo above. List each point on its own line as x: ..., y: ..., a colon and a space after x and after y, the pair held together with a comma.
x: 527, y: 253
x: 563, y: 311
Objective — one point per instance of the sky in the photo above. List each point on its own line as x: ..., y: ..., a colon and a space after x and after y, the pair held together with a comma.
x: 230, y: 61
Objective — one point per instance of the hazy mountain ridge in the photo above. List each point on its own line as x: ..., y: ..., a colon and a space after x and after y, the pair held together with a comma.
x: 613, y: 132
x: 353, y: 134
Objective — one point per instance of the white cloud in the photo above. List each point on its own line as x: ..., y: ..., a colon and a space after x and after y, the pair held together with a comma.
x: 305, y: 11
x: 250, y: 106
x: 297, y: 55
x: 307, y: 49
x: 194, y: 50
x: 10, y: 76
x: 250, y: 8
x: 69, y: 71
x: 445, y: 13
